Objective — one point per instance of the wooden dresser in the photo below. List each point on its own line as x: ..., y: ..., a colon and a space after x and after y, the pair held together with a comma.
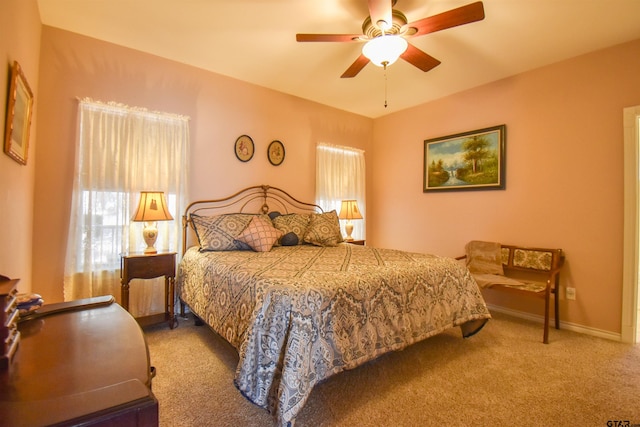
x: 79, y: 363
x: 9, y: 335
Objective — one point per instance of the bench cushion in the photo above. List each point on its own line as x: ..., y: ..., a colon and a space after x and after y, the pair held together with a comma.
x: 489, y: 280
x: 485, y: 262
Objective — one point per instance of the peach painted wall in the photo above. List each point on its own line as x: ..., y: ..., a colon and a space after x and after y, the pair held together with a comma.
x: 564, y: 157
x: 19, y: 41
x: 221, y: 109
x: 564, y: 176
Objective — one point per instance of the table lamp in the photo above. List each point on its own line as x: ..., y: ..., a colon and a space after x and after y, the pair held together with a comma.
x: 152, y: 208
x: 349, y: 211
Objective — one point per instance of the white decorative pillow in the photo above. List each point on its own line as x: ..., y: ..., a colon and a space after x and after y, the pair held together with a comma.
x: 324, y: 229
x: 260, y: 235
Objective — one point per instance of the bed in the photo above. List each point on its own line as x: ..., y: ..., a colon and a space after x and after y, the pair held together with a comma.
x: 308, y: 305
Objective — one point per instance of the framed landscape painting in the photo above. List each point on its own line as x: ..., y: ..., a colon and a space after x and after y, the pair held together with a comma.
x: 472, y: 160
x: 19, y: 109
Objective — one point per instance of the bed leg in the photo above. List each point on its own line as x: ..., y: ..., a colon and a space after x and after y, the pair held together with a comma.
x: 182, y: 314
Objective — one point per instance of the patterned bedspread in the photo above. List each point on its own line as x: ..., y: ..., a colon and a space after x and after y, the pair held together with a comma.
x: 299, y: 314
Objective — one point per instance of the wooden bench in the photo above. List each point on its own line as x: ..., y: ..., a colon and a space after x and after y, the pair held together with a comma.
x: 526, y: 271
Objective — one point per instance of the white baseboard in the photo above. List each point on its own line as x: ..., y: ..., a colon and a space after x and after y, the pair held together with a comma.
x: 563, y: 325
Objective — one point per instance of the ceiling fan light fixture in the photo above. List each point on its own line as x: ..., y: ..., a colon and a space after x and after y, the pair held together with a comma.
x: 384, y: 50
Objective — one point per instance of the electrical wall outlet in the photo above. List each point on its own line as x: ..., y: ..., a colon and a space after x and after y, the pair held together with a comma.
x: 570, y: 293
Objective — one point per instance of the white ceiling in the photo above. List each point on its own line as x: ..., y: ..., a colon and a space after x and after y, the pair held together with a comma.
x: 254, y: 41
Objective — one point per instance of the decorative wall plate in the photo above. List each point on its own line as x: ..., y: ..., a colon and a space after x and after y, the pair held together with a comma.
x: 244, y: 148
x: 275, y: 152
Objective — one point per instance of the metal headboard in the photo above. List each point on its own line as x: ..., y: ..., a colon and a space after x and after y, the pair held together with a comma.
x: 259, y: 198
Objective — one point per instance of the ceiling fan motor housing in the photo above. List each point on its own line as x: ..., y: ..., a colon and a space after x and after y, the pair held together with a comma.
x: 398, y: 21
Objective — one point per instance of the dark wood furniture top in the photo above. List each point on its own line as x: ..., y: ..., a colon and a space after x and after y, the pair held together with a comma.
x: 80, y: 363
x: 150, y: 266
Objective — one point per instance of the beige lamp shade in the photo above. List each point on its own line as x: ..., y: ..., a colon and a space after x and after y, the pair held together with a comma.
x: 349, y: 210
x: 152, y: 208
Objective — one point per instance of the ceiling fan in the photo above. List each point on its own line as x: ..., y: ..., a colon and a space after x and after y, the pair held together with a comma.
x: 388, y: 26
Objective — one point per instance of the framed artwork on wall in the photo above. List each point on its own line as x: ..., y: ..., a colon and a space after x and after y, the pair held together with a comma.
x: 244, y: 148
x: 275, y: 153
x: 472, y: 160
x: 19, y: 110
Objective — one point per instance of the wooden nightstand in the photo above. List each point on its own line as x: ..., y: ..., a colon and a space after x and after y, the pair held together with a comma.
x: 355, y: 242
x: 140, y: 266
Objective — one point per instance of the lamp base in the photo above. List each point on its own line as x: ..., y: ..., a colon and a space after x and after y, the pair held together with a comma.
x: 348, y: 227
x: 150, y: 234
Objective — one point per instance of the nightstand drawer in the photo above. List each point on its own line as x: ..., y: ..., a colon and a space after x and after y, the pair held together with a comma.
x: 148, y: 267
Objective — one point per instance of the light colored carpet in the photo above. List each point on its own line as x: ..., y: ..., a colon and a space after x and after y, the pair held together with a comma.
x: 503, y: 376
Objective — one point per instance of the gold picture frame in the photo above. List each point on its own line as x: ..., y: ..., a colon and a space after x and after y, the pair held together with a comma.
x: 472, y: 160
x: 244, y: 148
x: 19, y: 111
x: 275, y: 152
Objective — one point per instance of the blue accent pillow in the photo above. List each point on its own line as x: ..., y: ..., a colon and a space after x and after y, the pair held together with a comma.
x: 289, y: 239
x: 274, y: 214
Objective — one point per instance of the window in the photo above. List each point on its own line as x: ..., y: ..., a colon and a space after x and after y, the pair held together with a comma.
x: 121, y: 151
x: 340, y: 175
x: 103, y: 229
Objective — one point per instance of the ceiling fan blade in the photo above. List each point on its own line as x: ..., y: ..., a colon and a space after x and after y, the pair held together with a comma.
x: 380, y: 13
x: 463, y: 15
x: 356, y: 67
x: 328, y: 37
x: 420, y: 59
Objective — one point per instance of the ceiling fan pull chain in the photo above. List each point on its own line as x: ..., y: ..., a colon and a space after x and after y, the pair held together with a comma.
x: 385, y: 85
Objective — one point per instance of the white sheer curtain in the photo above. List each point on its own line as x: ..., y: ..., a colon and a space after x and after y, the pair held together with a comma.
x: 121, y: 151
x: 340, y: 175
